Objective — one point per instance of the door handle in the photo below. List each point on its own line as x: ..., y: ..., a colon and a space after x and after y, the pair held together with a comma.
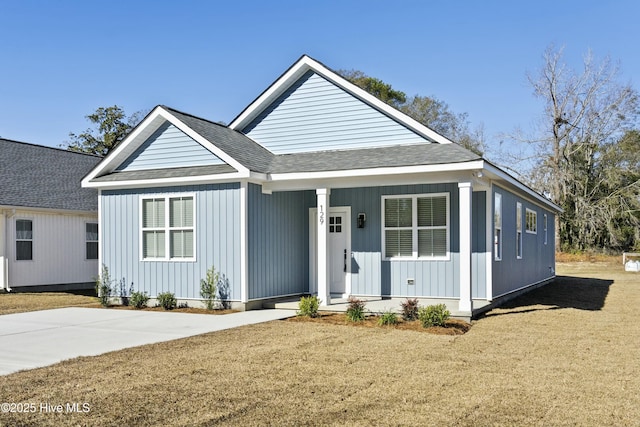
x: 345, y: 261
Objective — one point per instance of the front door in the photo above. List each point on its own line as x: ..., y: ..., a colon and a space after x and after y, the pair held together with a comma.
x: 338, y: 251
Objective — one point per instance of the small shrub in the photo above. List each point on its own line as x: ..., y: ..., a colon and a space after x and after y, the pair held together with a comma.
x: 103, y: 286
x: 388, y: 318
x: 139, y: 299
x: 355, y: 311
x: 433, y: 315
x: 124, y: 292
x: 410, y: 309
x: 209, y: 288
x: 308, y: 306
x: 167, y: 300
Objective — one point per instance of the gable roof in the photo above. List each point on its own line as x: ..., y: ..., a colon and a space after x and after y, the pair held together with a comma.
x: 44, y: 177
x: 306, y: 64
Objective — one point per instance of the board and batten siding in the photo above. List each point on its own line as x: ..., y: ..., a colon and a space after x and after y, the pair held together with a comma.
x: 59, y: 250
x: 217, y: 236
x: 169, y: 147
x: 538, y: 260
x: 278, y: 242
x: 373, y: 276
x: 315, y: 114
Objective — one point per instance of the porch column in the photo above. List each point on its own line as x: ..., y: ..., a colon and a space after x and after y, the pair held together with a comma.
x: 324, y: 294
x: 465, y: 191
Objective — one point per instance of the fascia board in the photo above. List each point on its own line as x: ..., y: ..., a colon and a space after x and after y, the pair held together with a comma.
x: 445, y: 167
x: 302, y: 66
x: 281, y: 84
x: 503, y: 176
x: 71, y: 212
x: 204, y: 142
x: 137, y: 137
x: 127, y: 146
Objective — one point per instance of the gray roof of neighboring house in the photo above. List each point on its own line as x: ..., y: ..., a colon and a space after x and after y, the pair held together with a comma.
x: 45, y: 177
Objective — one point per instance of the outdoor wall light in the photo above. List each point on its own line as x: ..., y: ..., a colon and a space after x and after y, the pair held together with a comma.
x: 361, y: 219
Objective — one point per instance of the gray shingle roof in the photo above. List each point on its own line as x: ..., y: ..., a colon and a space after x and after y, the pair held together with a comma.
x: 392, y: 156
x: 256, y: 158
x: 45, y: 177
x: 165, y: 173
x: 246, y: 151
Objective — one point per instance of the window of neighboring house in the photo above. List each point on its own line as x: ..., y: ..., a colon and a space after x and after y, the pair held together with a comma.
x: 168, y: 228
x: 24, y: 240
x: 416, y: 226
x: 91, y: 237
x: 545, y: 229
x: 518, y: 230
x: 531, y: 221
x: 497, y: 226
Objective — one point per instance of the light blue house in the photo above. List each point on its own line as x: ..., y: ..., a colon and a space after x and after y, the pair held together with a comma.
x: 316, y: 187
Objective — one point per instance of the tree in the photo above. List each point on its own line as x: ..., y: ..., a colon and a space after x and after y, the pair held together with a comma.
x: 575, y: 154
x: 429, y: 111
x: 111, y: 126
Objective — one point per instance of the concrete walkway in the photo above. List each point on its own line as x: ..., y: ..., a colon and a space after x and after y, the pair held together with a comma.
x: 41, y: 338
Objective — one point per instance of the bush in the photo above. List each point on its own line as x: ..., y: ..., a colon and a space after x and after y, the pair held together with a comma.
x: 355, y: 311
x: 139, y: 299
x: 124, y: 292
x: 433, y: 315
x: 410, y: 309
x: 388, y: 318
x: 209, y: 288
x: 167, y: 300
x: 308, y: 306
x: 103, y: 286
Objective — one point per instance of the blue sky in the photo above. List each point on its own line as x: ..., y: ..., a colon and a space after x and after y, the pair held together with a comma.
x: 61, y: 60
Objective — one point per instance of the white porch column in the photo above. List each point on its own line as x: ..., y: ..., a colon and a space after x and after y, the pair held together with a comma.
x: 324, y: 294
x: 465, y: 191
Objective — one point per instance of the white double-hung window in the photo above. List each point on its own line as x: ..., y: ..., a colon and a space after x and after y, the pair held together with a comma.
x: 416, y: 226
x: 168, y: 228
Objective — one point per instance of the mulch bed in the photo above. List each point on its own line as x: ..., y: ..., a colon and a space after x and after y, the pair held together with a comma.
x: 453, y: 326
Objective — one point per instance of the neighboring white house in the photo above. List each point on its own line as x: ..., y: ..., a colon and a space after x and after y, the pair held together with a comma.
x: 48, y: 223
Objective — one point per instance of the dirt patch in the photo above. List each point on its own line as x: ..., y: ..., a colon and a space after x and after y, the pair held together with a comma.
x: 452, y: 326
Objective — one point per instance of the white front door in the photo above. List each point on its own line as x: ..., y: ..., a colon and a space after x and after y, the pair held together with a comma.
x: 338, y: 251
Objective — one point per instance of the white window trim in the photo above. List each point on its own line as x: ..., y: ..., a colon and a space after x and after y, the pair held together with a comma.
x: 535, y: 223
x: 15, y: 246
x: 545, y: 229
x: 414, y: 227
x: 167, y: 229
x: 497, y: 246
x: 519, y: 231
x: 97, y: 241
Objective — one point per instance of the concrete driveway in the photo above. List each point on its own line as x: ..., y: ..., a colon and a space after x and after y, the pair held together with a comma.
x: 40, y: 338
